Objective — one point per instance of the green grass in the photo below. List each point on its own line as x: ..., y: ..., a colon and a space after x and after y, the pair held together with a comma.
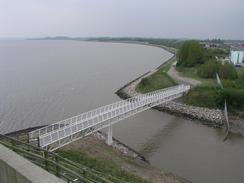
x: 240, y: 70
x: 191, y: 72
x: 101, y: 165
x: 202, y: 96
x: 156, y: 81
x: 208, y: 94
x: 205, y: 95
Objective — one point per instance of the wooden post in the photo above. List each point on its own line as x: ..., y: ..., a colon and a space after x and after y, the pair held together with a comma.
x: 57, y: 167
x: 46, y: 162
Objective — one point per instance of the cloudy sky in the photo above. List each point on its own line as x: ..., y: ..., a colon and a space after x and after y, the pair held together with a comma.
x: 118, y: 18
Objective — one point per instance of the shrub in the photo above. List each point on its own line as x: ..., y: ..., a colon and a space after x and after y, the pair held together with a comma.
x: 208, y: 69
x: 240, y: 80
x: 233, y: 96
x: 228, y: 83
x: 214, y: 97
x: 228, y: 71
x: 202, y: 96
x: 211, y: 67
x: 145, y: 81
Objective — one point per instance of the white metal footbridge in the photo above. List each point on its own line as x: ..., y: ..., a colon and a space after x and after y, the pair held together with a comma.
x: 56, y: 135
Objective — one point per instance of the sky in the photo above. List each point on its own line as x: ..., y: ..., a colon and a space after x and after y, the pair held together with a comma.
x: 199, y: 19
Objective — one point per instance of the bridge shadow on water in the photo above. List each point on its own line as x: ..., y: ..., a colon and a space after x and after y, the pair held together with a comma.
x: 162, y: 135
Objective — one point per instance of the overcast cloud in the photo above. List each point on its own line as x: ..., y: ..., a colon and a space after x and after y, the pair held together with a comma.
x: 119, y: 18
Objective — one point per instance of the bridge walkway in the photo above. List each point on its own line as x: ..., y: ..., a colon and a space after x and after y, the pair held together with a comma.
x: 58, y: 134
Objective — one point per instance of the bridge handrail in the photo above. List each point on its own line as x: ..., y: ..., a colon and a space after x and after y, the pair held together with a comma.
x: 157, y: 94
x: 74, y: 119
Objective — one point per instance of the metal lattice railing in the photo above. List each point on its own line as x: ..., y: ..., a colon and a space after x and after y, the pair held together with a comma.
x: 57, y: 165
x: 58, y: 134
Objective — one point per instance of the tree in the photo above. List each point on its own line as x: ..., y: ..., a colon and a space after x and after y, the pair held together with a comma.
x: 191, y: 53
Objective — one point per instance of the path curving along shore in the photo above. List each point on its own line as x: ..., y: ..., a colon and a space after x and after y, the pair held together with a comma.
x: 211, y: 117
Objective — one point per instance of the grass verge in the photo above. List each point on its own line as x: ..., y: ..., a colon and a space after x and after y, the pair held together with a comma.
x: 156, y: 81
x: 191, y: 72
x: 100, y: 165
x: 202, y: 96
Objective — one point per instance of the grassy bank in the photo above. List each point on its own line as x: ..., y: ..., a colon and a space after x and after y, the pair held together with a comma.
x: 101, y: 165
x: 202, y: 96
x: 210, y: 95
x: 94, y: 153
x: 191, y: 72
x: 158, y: 80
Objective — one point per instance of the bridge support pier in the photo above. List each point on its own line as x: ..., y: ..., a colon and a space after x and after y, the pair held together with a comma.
x: 109, y: 140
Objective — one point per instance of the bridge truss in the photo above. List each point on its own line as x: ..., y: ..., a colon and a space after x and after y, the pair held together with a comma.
x: 58, y: 134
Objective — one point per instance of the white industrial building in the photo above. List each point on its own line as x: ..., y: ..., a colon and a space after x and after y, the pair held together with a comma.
x: 237, y: 57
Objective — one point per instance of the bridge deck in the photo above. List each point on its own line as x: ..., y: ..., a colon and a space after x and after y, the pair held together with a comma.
x: 63, y: 132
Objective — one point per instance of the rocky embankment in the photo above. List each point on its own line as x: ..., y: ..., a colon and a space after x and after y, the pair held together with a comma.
x: 207, y: 116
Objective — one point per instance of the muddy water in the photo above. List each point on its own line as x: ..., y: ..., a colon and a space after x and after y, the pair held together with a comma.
x: 42, y: 82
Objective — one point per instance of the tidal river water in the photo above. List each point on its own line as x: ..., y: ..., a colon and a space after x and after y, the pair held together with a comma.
x: 42, y: 82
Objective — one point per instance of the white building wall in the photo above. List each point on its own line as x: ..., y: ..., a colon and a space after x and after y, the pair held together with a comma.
x: 237, y: 57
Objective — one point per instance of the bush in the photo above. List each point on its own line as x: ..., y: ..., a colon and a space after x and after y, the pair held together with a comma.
x: 214, y: 97
x: 208, y: 69
x: 211, y: 67
x: 233, y: 96
x: 240, y: 80
x: 145, y: 81
x: 228, y: 83
x: 191, y: 53
x: 202, y: 96
x: 228, y: 71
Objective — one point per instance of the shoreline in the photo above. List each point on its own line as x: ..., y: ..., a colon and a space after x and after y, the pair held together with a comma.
x: 213, y: 118
x: 210, y: 117
x: 117, y: 144
x: 132, y: 159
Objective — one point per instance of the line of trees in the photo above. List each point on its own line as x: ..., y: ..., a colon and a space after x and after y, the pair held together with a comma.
x: 193, y: 54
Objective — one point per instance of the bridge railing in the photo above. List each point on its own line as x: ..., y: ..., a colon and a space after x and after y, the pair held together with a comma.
x: 93, y: 113
x: 74, y: 119
x: 136, y: 102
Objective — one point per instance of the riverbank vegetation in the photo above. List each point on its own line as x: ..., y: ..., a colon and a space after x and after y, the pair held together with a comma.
x: 156, y: 81
x: 103, y: 166
x: 94, y: 153
x: 200, y: 63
